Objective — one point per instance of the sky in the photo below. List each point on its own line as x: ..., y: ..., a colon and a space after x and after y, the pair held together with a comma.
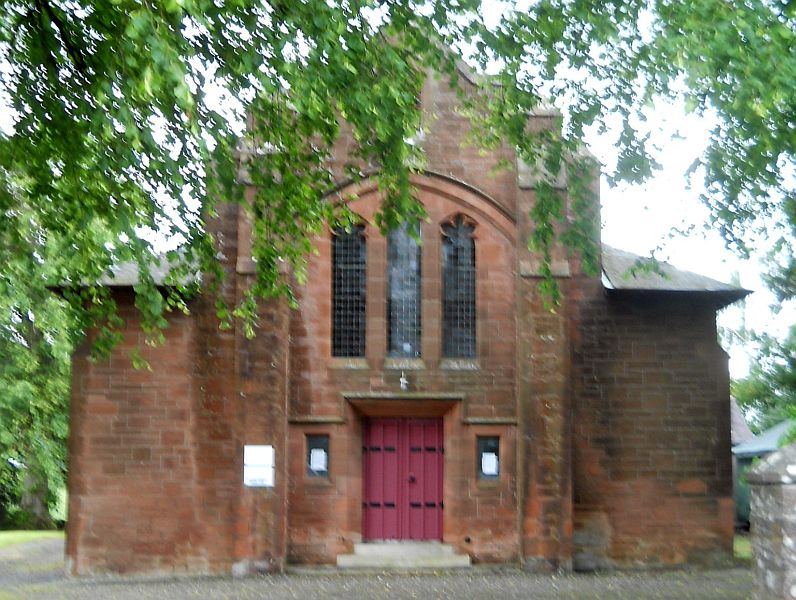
x: 641, y: 219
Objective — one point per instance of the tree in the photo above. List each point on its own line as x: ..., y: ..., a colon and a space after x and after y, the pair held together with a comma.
x: 117, y: 113
x: 118, y: 107
x: 768, y: 393
x: 33, y: 411
x: 37, y: 333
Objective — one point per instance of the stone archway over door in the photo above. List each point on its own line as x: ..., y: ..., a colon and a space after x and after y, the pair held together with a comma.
x: 402, y: 483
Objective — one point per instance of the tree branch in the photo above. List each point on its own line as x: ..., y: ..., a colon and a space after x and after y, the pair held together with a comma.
x: 71, y: 50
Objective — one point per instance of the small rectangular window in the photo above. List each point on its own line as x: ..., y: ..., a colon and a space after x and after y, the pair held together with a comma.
x: 488, y: 466
x: 318, y: 455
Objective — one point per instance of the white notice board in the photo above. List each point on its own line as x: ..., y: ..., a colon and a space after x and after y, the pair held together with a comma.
x: 258, y: 466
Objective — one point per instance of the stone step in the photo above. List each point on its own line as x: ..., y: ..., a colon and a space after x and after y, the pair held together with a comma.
x: 401, y: 548
x: 403, y: 555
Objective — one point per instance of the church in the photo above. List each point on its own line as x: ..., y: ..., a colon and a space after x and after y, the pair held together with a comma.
x: 421, y: 395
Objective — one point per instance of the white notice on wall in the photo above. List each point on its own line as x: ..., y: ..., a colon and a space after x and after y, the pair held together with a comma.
x: 318, y: 460
x: 489, y: 463
x: 258, y: 466
x: 258, y: 476
x: 258, y: 455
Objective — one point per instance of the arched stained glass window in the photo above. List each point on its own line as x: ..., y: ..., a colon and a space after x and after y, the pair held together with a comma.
x: 403, y: 294
x: 458, y: 288
x: 348, y: 291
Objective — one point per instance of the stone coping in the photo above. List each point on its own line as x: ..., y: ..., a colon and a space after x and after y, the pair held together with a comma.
x: 778, y: 468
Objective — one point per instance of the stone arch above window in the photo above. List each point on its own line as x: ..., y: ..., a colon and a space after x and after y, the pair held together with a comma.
x: 403, y: 293
x: 458, y: 288
x: 349, y: 277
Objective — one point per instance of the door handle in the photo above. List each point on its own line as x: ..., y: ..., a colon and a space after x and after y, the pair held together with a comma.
x: 412, y: 478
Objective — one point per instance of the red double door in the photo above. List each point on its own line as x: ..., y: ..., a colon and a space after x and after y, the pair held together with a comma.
x: 402, y: 486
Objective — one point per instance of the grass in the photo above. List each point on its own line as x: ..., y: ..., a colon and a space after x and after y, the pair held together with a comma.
x: 742, y: 547
x: 8, y: 538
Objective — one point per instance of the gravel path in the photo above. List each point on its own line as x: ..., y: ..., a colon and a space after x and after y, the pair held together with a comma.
x: 35, y: 570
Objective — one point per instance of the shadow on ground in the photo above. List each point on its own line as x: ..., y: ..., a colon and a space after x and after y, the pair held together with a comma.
x: 35, y: 570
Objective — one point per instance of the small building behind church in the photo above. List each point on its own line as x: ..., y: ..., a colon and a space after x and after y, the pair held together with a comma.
x: 419, y: 393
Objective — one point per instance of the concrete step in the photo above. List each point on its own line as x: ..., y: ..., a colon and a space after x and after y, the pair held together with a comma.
x: 403, y: 555
x: 401, y: 548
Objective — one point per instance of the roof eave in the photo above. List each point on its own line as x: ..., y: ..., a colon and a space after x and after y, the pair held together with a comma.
x: 720, y: 298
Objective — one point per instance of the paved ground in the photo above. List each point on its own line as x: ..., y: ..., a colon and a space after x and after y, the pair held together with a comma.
x: 35, y: 570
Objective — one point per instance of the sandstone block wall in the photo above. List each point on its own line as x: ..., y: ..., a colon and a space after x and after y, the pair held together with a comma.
x: 134, y: 479
x: 651, y: 435
x: 156, y: 456
x: 325, y: 516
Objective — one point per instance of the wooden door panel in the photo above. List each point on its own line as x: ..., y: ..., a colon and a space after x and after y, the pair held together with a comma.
x: 391, y: 473
x: 402, y: 486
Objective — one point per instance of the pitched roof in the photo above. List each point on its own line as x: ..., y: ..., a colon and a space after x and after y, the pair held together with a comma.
x: 616, y: 276
x: 126, y: 274
x: 739, y: 430
x: 765, y: 442
x: 621, y: 273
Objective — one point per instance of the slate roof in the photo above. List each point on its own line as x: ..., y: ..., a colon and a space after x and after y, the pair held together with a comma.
x: 126, y: 274
x: 617, y: 276
x: 765, y: 442
x: 739, y: 430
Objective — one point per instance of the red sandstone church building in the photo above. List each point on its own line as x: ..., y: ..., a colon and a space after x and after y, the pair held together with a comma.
x: 418, y: 393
